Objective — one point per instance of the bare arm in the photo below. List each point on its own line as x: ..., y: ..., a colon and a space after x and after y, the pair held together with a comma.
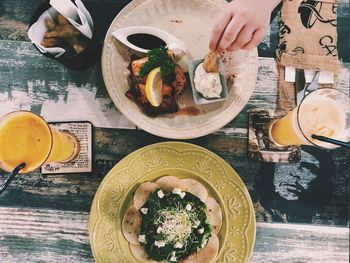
x: 242, y: 25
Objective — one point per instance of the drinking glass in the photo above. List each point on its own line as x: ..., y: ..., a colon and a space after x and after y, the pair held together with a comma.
x: 27, y: 138
x: 322, y: 112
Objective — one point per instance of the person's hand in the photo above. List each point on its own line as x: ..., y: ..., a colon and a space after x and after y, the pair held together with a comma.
x: 242, y: 25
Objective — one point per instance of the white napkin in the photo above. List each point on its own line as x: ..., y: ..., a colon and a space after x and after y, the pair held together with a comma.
x: 72, y: 12
x: 324, y: 78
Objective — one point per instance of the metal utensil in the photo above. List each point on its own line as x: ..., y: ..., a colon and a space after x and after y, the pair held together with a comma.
x: 307, y: 88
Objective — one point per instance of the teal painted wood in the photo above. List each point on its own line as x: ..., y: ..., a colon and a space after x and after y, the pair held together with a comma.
x: 37, y: 235
x: 74, y: 192
x: 44, y: 218
x: 33, y: 82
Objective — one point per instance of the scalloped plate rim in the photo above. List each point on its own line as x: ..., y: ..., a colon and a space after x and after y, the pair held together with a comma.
x: 250, y: 227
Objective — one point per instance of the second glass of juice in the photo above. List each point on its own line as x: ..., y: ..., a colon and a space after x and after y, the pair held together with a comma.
x: 322, y: 112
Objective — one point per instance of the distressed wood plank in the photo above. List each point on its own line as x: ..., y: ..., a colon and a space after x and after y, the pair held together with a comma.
x: 36, y: 235
x: 16, y: 14
x: 74, y: 192
x: 300, y: 243
x: 32, y: 235
x: 33, y: 82
x: 51, y: 223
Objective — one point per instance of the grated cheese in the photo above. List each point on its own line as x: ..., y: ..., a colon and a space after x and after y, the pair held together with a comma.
x: 159, y: 230
x: 159, y: 243
x: 196, y: 224
x: 173, y: 257
x: 179, y: 192
x: 178, y: 245
x: 204, y: 243
x: 160, y: 194
x: 200, y: 231
x: 144, y: 210
x: 142, y: 239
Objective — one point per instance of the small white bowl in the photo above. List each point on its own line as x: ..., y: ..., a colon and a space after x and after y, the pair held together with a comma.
x: 198, y: 97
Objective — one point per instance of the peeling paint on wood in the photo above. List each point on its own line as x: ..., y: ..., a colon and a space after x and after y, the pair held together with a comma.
x: 44, y: 218
x: 47, y: 87
x: 48, y: 235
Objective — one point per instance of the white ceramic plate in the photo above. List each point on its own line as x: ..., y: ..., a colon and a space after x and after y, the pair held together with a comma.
x: 190, y: 21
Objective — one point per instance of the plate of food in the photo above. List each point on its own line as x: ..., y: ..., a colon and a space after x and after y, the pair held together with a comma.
x: 172, y: 202
x: 173, y: 112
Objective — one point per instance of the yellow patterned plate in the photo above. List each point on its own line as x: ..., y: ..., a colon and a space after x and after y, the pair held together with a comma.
x: 184, y: 160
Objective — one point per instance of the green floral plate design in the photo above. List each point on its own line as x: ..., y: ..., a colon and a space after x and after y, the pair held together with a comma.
x: 184, y: 160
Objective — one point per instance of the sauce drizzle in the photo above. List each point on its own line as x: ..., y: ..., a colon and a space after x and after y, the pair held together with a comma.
x: 146, y: 41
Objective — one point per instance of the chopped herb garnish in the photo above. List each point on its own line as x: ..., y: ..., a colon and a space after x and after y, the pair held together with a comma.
x: 158, y: 57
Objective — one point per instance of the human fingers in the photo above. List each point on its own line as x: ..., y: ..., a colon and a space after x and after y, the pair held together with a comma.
x: 243, y: 37
x: 231, y: 33
x: 218, y: 30
x: 258, y: 36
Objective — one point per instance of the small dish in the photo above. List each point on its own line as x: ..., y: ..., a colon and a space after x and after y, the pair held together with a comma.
x: 198, y: 98
x: 86, y: 59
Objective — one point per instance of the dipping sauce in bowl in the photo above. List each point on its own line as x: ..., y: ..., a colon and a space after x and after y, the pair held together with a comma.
x: 207, y: 83
x: 207, y: 87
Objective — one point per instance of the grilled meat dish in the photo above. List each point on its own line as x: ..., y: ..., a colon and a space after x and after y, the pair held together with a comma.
x: 172, y: 86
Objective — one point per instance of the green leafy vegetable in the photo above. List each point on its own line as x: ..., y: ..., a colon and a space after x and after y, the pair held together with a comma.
x: 169, y: 221
x: 159, y: 57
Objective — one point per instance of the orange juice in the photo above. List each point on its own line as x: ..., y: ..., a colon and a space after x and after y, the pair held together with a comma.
x: 26, y: 138
x: 64, y: 148
x: 318, y: 115
x: 283, y: 133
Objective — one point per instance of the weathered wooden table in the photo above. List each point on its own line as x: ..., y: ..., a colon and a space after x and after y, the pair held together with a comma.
x: 302, y: 214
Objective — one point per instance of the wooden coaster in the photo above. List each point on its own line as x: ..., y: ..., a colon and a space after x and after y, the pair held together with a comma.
x: 260, y: 147
x: 83, y: 162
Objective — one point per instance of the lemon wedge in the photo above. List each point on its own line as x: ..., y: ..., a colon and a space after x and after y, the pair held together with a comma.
x: 154, y: 87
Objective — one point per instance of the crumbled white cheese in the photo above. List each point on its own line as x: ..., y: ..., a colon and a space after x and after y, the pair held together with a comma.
x: 173, y: 257
x: 159, y: 243
x: 196, y: 224
x: 142, y: 239
x: 159, y: 230
x: 160, y: 194
x: 188, y: 207
x: 179, y: 192
x: 200, y: 231
x: 176, y: 191
x: 204, y: 243
x: 178, y: 245
x: 144, y: 210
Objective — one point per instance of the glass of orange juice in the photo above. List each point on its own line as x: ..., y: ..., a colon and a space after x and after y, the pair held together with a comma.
x: 322, y: 112
x: 27, y: 138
